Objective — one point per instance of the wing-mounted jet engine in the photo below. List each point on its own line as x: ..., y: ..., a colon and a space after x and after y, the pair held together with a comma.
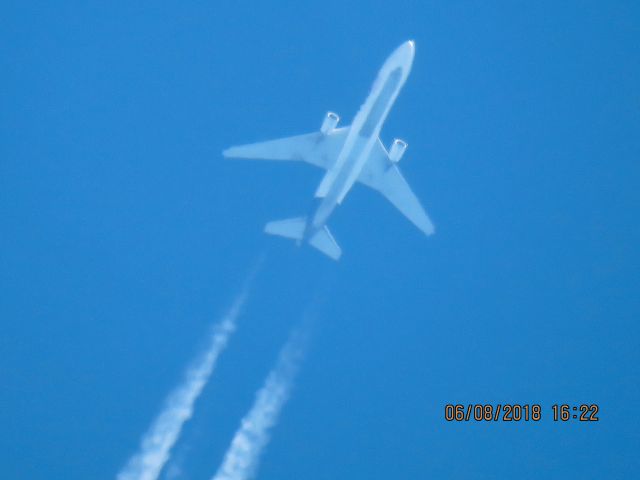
x: 329, y: 123
x: 397, y: 150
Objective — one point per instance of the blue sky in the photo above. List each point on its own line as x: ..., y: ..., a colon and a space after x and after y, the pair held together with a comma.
x: 125, y: 235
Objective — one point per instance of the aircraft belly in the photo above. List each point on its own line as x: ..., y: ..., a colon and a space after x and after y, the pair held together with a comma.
x: 343, y: 180
x: 322, y: 213
x: 351, y: 174
x: 329, y: 178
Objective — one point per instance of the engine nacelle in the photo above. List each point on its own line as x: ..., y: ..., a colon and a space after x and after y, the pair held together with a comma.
x: 329, y: 123
x: 397, y: 150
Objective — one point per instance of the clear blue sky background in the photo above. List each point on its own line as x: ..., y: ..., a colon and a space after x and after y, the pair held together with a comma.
x: 124, y: 234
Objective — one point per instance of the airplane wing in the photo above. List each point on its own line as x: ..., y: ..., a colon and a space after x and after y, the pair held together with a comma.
x: 382, y: 175
x: 315, y: 148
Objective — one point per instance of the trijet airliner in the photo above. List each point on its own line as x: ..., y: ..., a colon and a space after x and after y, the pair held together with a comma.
x: 348, y: 154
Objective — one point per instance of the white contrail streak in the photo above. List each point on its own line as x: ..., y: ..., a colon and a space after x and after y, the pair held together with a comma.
x: 241, y: 460
x: 156, y: 444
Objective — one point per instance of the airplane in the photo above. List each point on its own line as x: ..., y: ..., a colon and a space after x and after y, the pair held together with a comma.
x: 348, y: 154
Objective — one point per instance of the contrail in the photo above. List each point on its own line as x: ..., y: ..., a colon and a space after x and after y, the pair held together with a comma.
x: 156, y: 444
x: 241, y: 460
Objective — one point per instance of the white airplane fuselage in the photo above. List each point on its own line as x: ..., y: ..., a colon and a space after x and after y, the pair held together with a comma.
x: 362, y: 136
x: 347, y: 155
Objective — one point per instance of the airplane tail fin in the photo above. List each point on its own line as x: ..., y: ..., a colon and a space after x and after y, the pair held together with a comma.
x: 294, y: 228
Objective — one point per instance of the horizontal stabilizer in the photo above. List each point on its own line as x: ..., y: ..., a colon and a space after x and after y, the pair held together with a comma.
x: 323, y: 241
x: 290, y: 228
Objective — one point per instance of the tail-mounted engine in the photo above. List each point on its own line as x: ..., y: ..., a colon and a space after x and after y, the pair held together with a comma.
x: 329, y: 123
x: 397, y: 150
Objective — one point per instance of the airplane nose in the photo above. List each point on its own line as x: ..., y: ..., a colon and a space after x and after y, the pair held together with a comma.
x: 409, y: 49
x: 403, y: 55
